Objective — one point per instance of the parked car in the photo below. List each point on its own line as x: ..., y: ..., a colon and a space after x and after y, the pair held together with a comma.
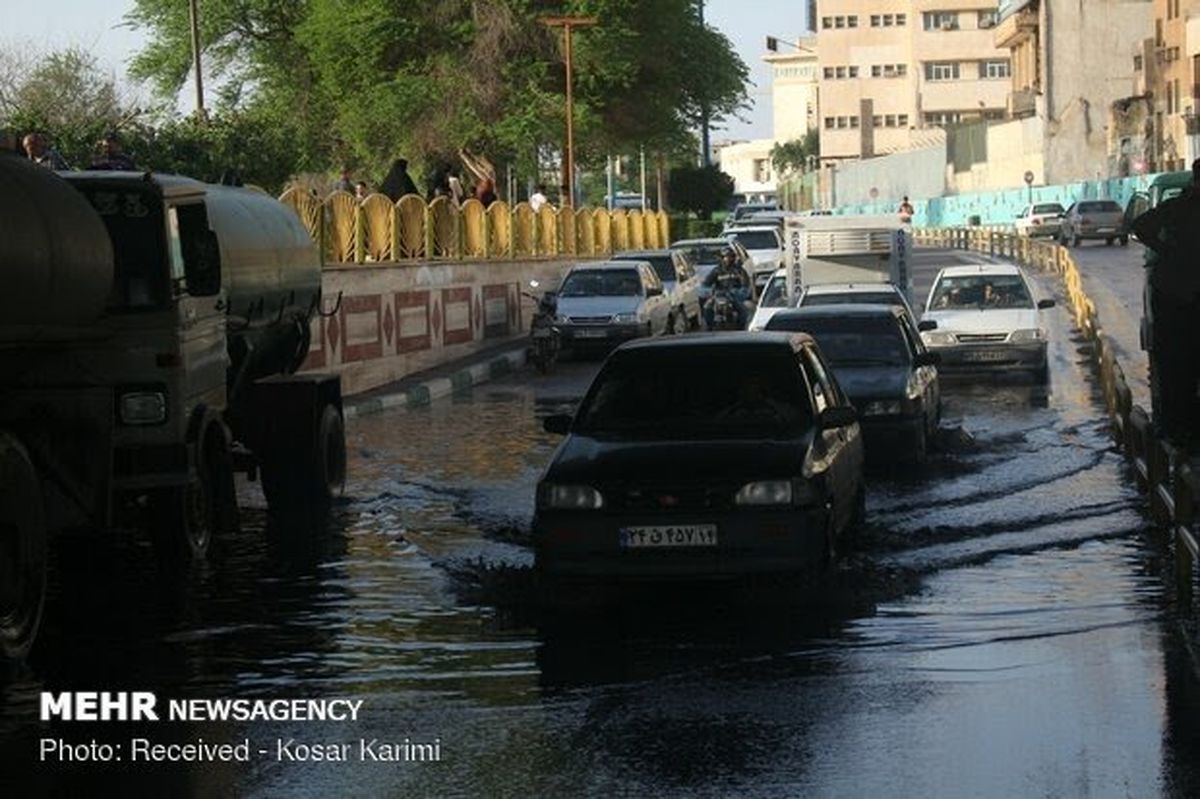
x: 680, y: 283
x: 985, y: 317
x: 756, y: 467
x: 1093, y: 219
x: 881, y: 363
x: 704, y: 255
x: 601, y: 304
x: 765, y: 245
x: 1040, y: 219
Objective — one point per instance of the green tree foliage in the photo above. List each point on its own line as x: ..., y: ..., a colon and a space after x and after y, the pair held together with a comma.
x: 793, y: 155
x: 700, y: 190
x: 360, y: 82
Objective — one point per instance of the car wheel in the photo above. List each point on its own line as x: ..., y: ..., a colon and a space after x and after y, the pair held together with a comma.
x: 921, y: 447
x: 1075, y: 240
x: 1041, y: 375
x: 1124, y: 241
x: 1108, y: 242
x: 679, y: 322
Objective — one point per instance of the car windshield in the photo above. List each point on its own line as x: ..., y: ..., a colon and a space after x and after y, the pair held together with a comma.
x: 656, y: 396
x: 858, y: 297
x: 602, y: 283
x: 1048, y: 208
x: 851, y: 341
x: 775, y: 294
x: 981, y: 291
x: 662, y: 265
x: 1103, y: 206
x: 701, y: 254
x: 757, y: 239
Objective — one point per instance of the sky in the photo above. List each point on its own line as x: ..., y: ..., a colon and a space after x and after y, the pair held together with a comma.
x: 97, y: 25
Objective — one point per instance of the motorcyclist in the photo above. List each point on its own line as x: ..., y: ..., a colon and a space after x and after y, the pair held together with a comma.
x: 730, y: 277
x: 1171, y: 233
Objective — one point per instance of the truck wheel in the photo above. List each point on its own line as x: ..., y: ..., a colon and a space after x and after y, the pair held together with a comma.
x: 312, y: 483
x: 186, y: 518
x: 23, y: 551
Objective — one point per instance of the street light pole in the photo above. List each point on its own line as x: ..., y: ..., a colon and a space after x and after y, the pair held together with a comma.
x: 194, y: 15
x: 568, y: 24
x: 705, y: 144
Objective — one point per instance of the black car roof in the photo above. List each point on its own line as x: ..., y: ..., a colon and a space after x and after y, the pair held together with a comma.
x: 725, y: 341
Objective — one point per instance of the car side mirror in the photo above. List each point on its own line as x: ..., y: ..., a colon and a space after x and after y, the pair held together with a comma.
x: 927, y: 359
x: 1043, y: 304
x: 559, y: 423
x: 839, y: 416
x: 927, y: 324
x: 654, y: 291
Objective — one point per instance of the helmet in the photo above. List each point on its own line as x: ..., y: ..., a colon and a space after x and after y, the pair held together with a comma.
x: 727, y: 252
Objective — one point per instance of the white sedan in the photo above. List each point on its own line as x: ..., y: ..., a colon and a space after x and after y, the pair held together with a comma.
x: 984, y: 317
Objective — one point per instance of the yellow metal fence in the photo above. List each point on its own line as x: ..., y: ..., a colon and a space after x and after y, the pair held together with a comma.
x: 377, y: 230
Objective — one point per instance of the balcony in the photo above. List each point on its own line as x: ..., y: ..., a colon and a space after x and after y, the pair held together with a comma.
x: 1022, y: 103
x: 1014, y: 29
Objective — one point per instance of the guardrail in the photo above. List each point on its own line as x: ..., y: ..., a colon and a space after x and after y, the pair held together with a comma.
x: 378, y: 230
x: 1162, y: 471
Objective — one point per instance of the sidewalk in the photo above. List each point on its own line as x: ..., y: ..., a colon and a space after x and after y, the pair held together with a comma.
x: 422, y: 388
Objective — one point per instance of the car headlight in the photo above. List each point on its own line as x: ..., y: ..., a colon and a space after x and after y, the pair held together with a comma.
x: 882, y: 408
x: 569, y: 497
x: 143, y: 407
x: 938, y: 338
x: 1025, y: 336
x: 624, y: 318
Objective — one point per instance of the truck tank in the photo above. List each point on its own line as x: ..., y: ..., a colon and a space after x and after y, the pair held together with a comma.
x: 56, y: 259
x: 271, y: 272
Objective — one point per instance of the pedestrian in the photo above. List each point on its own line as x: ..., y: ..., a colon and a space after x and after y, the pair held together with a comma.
x: 344, y: 183
x: 906, y: 211
x: 538, y: 198
x: 1171, y: 233
x: 438, y: 182
x: 112, y: 156
x: 10, y: 143
x: 457, y: 192
x: 41, y: 153
x: 398, y: 183
x: 485, y: 192
x: 360, y: 191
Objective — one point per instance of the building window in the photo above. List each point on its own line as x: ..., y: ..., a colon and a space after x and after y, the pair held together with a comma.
x: 840, y: 72
x: 886, y: 20
x: 1137, y: 63
x: 944, y: 70
x: 902, y: 120
x: 995, y: 70
x: 877, y: 121
x: 826, y: 23
x: 852, y: 22
x: 989, y: 19
x: 901, y: 20
x: 828, y: 73
x: 993, y: 114
x: 941, y: 20
x: 854, y: 122
x: 828, y: 123
x: 942, y: 118
x: 901, y: 70
x: 762, y: 170
x: 889, y: 70
x: 853, y: 71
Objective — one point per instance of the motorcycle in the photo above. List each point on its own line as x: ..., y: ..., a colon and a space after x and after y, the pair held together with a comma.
x: 724, y: 310
x: 543, y: 335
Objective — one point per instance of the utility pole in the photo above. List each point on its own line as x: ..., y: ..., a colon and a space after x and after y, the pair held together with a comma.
x: 568, y: 24
x: 706, y: 155
x: 194, y: 14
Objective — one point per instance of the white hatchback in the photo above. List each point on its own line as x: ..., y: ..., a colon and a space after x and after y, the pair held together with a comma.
x: 985, y: 317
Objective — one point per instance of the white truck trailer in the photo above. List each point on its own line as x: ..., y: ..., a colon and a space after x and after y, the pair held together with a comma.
x: 846, y: 249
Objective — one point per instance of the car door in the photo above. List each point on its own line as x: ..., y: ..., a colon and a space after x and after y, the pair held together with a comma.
x: 925, y: 376
x: 658, y: 304
x: 839, y: 449
x: 689, y: 285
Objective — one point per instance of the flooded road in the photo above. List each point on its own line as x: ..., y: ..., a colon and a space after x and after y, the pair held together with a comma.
x: 1002, y: 629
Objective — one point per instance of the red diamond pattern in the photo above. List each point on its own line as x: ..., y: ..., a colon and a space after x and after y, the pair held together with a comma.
x: 389, y: 324
x: 334, y: 330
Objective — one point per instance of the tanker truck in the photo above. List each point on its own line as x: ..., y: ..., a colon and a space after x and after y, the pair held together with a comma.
x: 151, y: 329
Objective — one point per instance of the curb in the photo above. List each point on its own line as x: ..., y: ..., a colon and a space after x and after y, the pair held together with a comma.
x: 423, y: 393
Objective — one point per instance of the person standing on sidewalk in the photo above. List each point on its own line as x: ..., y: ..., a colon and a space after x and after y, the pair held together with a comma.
x: 1171, y: 233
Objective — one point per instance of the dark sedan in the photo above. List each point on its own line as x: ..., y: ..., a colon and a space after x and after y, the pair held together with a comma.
x: 756, y: 469
x: 880, y: 361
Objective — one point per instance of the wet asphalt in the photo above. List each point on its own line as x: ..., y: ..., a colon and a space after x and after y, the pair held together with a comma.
x: 1004, y: 627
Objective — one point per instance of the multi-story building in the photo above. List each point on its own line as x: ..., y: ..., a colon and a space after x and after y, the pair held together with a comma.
x: 889, y: 69
x: 794, y: 89
x: 1070, y: 64
x: 1167, y: 73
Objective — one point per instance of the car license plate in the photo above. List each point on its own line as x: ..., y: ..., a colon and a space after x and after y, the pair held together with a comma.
x: 984, y: 356
x: 591, y: 333
x: 681, y: 535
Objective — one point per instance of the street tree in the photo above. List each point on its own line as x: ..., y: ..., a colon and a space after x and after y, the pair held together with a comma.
x: 699, y: 189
